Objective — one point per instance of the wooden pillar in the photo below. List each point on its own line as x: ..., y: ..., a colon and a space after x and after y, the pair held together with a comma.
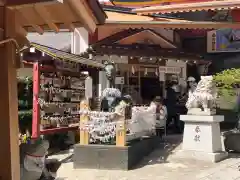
x: 9, y: 151
x: 84, y: 135
x: 36, y: 107
x: 121, y: 132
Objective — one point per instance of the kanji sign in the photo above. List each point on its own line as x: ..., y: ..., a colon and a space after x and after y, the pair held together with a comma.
x: 197, y: 136
x: 169, y: 70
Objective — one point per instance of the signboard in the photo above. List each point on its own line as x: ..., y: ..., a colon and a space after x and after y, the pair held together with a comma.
x: 144, y: 3
x: 223, y: 40
x: 119, y: 80
x: 169, y: 70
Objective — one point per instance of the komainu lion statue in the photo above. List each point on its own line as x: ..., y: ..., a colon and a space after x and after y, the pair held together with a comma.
x: 203, y: 98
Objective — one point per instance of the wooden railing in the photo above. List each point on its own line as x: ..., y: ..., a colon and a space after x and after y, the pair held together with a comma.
x: 141, y: 124
x: 118, y: 118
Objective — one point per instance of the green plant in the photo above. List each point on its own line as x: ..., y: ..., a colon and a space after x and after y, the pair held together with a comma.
x: 227, y: 83
x: 25, y: 96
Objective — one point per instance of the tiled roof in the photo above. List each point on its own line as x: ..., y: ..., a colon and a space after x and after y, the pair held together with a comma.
x: 55, y: 53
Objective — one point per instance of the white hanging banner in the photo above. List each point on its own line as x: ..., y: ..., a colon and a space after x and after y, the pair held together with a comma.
x: 133, y: 70
x: 88, y: 87
x: 162, y: 76
x: 145, y: 72
x: 169, y: 70
x: 156, y: 72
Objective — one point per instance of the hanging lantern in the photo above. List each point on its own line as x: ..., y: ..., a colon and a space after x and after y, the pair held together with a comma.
x: 133, y: 70
x: 146, y: 72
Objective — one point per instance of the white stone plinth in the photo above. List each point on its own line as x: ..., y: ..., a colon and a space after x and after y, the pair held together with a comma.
x: 202, y: 137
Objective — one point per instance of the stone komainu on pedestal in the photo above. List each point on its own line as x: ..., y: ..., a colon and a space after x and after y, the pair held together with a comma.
x: 202, y: 137
x: 202, y: 100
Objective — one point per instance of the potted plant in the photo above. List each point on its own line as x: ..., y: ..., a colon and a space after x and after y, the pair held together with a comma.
x: 228, y: 82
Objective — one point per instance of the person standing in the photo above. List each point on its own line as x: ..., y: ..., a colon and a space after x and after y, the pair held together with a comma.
x: 171, y: 103
x: 161, y: 116
x: 192, y: 84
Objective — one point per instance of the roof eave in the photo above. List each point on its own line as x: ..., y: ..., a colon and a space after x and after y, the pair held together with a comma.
x: 171, y: 25
x: 97, y: 11
x: 189, y: 7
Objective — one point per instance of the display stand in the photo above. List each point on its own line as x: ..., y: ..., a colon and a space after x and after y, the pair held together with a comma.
x: 202, y: 138
x: 56, y: 97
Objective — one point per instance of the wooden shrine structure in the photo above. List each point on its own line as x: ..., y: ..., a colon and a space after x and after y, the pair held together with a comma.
x: 17, y: 18
x: 135, y: 50
x: 56, y: 65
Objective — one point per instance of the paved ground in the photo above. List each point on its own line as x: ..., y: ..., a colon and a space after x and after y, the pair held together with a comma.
x: 162, y: 164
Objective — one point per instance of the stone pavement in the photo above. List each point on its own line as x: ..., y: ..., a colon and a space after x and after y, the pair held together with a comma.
x: 162, y: 164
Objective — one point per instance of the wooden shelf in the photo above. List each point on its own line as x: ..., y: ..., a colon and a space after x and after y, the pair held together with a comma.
x: 51, y: 69
x: 37, y: 70
x: 58, y: 130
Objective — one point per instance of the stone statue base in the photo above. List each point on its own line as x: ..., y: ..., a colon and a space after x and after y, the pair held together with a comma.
x: 198, y: 111
x: 202, y: 138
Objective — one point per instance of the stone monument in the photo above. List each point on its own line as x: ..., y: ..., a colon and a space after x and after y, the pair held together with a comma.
x: 202, y: 138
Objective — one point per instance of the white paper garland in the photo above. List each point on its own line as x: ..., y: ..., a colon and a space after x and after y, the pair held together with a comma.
x: 112, y: 92
x: 100, y: 128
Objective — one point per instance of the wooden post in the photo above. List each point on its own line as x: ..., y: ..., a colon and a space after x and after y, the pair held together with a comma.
x: 36, y: 108
x: 84, y: 135
x: 121, y: 131
x: 9, y: 151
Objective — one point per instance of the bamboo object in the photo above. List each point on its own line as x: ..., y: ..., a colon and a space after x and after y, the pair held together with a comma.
x: 121, y: 132
x: 84, y: 134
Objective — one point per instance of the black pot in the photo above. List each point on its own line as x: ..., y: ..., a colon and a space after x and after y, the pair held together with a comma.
x: 231, y: 141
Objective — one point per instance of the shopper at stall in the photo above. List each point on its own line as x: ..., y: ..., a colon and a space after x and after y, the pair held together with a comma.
x: 192, y: 84
x: 161, y: 116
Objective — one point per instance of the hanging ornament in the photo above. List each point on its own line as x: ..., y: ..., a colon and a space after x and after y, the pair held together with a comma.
x: 146, y: 72
x: 133, y: 70
x: 156, y: 72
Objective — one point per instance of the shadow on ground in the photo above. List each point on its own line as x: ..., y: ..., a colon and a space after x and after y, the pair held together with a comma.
x: 162, y: 152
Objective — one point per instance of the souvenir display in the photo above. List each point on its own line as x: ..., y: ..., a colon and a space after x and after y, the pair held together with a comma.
x: 59, y: 98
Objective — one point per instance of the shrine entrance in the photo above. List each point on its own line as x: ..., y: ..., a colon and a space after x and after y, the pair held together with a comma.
x: 150, y: 88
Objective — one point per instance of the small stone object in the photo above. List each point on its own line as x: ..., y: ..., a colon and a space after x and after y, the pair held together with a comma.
x: 33, y: 159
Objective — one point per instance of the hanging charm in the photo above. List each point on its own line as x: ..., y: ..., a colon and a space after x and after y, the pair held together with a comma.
x: 146, y: 72
x: 133, y: 70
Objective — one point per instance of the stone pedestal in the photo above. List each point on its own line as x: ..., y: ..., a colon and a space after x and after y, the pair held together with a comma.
x: 202, y: 138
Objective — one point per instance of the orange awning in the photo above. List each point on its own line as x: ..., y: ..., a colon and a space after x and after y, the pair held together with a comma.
x: 190, y: 7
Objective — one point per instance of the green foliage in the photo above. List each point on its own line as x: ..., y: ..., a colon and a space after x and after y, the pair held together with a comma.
x: 227, y: 81
x: 25, y: 97
x: 25, y: 120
